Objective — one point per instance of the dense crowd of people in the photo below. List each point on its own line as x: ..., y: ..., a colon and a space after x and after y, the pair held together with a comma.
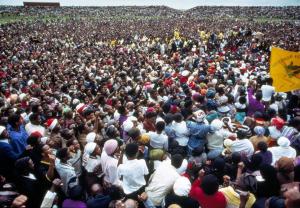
x: 158, y: 109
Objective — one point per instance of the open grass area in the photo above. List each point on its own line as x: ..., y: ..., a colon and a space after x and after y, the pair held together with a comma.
x: 16, y: 18
x: 4, y: 19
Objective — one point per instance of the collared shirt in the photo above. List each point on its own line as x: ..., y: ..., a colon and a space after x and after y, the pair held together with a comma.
x: 18, y: 139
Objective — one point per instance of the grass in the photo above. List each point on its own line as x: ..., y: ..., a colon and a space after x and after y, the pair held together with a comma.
x: 5, y: 19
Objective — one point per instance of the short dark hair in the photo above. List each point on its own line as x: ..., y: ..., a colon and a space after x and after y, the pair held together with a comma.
x: 32, y: 140
x: 70, y: 142
x: 160, y: 126
x: 176, y: 160
x: 178, y: 117
x: 258, y: 95
x: 242, y: 100
x: 262, y: 146
x: 210, y: 184
x: 62, y: 153
x: 169, y: 118
x: 131, y: 150
x: 241, y: 134
x: 33, y: 117
x: 13, y: 119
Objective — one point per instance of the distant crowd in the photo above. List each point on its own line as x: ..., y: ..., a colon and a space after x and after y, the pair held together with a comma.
x: 128, y: 107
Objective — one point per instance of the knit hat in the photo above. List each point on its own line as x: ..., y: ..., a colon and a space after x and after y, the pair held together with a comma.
x: 110, y: 146
x: 199, y: 115
x: 283, y: 142
x: 51, y: 123
x: 212, y: 116
x: 2, y: 128
x: 260, y: 131
x: 182, y: 186
x: 90, y: 137
x: 36, y: 134
x: 144, y: 139
x: 80, y: 108
x: 278, y: 122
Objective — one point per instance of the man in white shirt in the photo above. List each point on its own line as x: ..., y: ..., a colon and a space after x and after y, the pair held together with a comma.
x: 267, y: 90
x: 133, y: 172
x: 162, y: 180
x: 159, y: 139
x: 181, y: 131
x: 34, y: 125
x: 242, y: 144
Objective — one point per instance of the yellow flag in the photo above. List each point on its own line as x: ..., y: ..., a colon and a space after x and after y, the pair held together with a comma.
x: 285, y: 70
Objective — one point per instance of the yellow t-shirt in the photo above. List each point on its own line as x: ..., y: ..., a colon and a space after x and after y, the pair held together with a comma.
x: 233, y: 198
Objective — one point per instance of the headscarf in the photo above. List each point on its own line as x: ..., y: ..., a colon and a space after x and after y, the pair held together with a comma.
x: 277, y: 122
x: 182, y: 186
x: 90, y: 137
x: 144, y: 139
x: 260, y: 131
x: 283, y: 142
x: 89, y: 148
x: 110, y: 146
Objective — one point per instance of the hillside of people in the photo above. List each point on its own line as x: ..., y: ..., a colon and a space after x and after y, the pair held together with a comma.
x: 148, y: 107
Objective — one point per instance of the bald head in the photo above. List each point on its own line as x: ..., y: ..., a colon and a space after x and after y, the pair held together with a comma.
x: 130, y: 203
x: 96, y: 189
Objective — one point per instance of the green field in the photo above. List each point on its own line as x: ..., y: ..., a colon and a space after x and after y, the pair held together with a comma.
x: 4, y: 19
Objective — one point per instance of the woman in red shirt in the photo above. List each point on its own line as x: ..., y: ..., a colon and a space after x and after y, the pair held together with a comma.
x: 205, y: 191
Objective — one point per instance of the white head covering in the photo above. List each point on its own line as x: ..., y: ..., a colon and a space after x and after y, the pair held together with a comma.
x: 185, y: 73
x: 2, y: 128
x: 283, y: 142
x: 127, y: 125
x: 89, y: 148
x: 214, y: 81
x: 90, y: 137
x: 216, y: 124
x: 182, y: 186
x: 199, y: 115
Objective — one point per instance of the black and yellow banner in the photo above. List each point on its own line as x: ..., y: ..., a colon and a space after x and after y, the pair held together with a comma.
x: 285, y: 70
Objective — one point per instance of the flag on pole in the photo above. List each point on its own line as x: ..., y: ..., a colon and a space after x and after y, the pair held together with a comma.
x: 285, y: 70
